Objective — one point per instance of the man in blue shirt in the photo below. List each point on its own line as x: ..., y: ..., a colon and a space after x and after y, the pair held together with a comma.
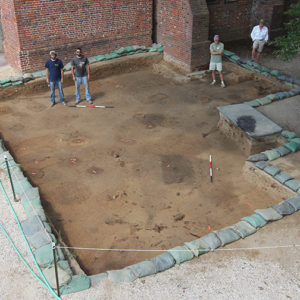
x: 55, y: 76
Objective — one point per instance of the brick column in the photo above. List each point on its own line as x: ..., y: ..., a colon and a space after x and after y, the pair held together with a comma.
x: 182, y: 27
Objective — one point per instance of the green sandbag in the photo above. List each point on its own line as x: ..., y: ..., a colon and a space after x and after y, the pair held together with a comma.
x: 31, y: 205
x: 272, y: 154
x: 22, y: 185
x: 272, y: 170
x: 227, y: 236
x: 272, y: 97
x: 163, y: 262
x: 295, y: 202
x: 264, y: 100
x: 269, y: 214
x: 129, y: 49
x: 44, y: 256
x: 111, y: 56
x: 40, y: 239
x: 255, y: 220
x: 6, y: 84
x: 17, y: 83
x: 235, y: 58
x: 144, y: 268
x: 100, y: 57
x: 295, y: 140
x: 181, y: 254
x: 252, y: 103
x: 198, y: 247
x: 265, y: 69
x: 63, y: 277
x: 288, y: 134
x: 124, y: 275
x: 228, y: 53
x: 274, y: 73
x: 292, y: 146
x: 4, y: 81
x: 78, y: 283
x: 243, y: 228
x: 212, y: 240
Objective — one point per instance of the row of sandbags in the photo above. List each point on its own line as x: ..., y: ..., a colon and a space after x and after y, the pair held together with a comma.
x: 210, y: 242
x: 257, y: 68
x: 38, y: 231
x: 123, y: 51
x: 292, y: 145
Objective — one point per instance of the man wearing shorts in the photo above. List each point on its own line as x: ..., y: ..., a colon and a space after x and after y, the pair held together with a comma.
x: 259, y: 35
x: 216, y: 51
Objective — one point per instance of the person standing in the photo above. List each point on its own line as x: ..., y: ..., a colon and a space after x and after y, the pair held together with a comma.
x: 55, y: 77
x: 81, y: 75
x: 216, y: 51
x: 259, y: 35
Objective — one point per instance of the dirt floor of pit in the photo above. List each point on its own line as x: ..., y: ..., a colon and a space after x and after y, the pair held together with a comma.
x: 135, y: 176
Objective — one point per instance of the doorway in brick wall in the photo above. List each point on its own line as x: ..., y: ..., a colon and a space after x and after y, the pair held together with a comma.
x: 154, y: 21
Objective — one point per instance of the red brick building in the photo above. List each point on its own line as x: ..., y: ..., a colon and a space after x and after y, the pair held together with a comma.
x: 32, y: 27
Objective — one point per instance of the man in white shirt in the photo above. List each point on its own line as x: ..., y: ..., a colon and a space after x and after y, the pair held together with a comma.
x: 259, y: 35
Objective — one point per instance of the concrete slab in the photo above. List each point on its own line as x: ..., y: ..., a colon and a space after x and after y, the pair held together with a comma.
x: 285, y: 113
x: 251, y: 121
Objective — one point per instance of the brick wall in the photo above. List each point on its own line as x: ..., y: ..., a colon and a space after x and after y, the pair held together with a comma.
x: 96, y: 26
x: 230, y: 19
x: 182, y: 27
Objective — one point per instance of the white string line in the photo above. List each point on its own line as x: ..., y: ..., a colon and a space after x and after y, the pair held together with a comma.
x: 33, y: 208
x: 178, y: 250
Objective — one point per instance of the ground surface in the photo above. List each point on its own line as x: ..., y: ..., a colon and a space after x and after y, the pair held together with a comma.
x: 135, y: 176
x: 250, y: 274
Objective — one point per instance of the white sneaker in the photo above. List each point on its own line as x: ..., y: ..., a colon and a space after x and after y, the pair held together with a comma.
x: 213, y: 82
x: 223, y: 85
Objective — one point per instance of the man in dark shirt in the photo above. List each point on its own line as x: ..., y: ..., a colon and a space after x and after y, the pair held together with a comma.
x: 81, y: 74
x: 55, y: 76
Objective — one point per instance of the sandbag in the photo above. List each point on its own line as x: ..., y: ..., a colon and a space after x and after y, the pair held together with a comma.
x: 269, y: 214
x: 143, y: 268
x: 92, y: 59
x: 228, y: 53
x: 32, y: 205
x: 64, y: 264
x: 100, y: 57
x: 263, y: 101
x: 37, y: 212
x: 7, y: 155
x: 111, y: 56
x: 272, y: 154
x: 163, y: 262
x: 283, y: 177
x: 181, y: 254
x: 284, y: 208
x: 295, y: 202
x: 95, y: 279
x: 272, y: 97
x: 280, y: 95
x: 283, y: 150
x: 32, y: 225
x: 22, y: 185
x: 288, y: 134
x: 257, y: 157
x: 212, y: 241
x: 227, y: 236
x: 39, y: 239
x: 198, y: 247
x: 17, y: 83
x: 243, y: 229
x: 295, y: 140
x: 78, y: 283
x: 16, y: 174
x: 38, y: 74
x: 4, y: 81
x: 261, y: 164
x: 272, y: 170
x: 252, y: 103
x: 124, y: 275
x: 63, y: 277
x: 6, y: 84
x: 44, y: 256
x: 68, y: 66
x: 255, y: 220
x: 294, y: 147
x: 275, y: 73
x: 30, y: 194
x: 27, y: 77
x: 293, y: 184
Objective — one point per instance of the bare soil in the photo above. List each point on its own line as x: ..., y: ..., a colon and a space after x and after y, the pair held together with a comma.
x: 136, y: 176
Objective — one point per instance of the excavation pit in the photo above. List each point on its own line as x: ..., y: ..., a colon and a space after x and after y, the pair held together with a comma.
x: 136, y: 176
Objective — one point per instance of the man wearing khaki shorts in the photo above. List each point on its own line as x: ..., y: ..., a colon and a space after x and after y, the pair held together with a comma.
x: 259, y: 35
x: 216, y: 51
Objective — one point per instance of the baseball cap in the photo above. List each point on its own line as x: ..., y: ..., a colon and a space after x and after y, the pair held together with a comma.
x: 216, y: 37
x: 52, y: 52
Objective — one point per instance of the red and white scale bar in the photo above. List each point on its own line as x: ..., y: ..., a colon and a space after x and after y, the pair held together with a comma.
x: 210, y: 169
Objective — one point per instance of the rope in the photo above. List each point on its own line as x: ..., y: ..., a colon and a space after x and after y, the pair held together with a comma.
x: 25, y: 239
x: 177, y: 250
